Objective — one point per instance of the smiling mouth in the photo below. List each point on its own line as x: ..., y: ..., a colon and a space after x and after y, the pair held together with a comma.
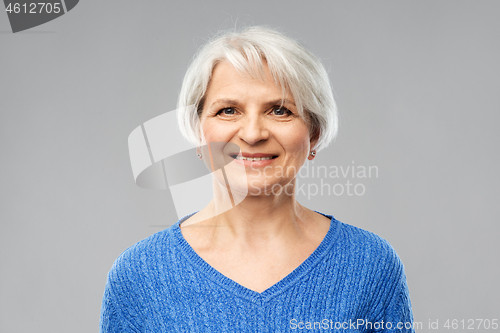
x: 243, y: 158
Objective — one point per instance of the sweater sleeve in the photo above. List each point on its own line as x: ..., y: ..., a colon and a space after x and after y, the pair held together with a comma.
x: 110, y: 322
x: 398, y: 316
x: 111, y: 318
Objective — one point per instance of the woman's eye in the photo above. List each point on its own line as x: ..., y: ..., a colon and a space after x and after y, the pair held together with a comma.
x: 227, y: 112
x: 281, y: 111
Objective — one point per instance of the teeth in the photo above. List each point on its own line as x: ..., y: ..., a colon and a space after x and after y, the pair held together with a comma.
x: 253, y: 158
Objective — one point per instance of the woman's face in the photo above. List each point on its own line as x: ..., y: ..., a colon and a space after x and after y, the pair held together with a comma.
x: 274, y: 139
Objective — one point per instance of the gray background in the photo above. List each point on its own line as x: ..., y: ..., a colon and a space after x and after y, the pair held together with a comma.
x: 417, y: 84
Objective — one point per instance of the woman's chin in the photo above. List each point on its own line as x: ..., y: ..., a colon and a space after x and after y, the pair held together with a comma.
x: 267, y: 189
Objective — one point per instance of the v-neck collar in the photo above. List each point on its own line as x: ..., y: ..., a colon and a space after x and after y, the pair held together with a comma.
x: 245, y: 292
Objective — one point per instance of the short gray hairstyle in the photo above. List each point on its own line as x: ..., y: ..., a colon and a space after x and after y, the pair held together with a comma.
x: 292, y: 66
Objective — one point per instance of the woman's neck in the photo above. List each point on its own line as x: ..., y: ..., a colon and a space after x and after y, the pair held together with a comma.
x: 262, y: 216
x: 256, y: 221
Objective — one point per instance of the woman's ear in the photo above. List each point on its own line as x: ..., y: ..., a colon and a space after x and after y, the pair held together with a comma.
x: 312, y: 145
x: 314, y: 139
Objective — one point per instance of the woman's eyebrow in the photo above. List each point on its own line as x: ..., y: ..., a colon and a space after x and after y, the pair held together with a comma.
x: 280, y: 101
x: 235, y: 102
x: 225, y: 101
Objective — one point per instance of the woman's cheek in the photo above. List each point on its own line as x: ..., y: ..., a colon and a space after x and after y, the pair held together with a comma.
x: 298, y: 142
x: 210, y: 131
x: 219, y: 132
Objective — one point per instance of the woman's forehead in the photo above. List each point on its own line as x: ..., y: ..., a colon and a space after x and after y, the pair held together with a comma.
x: 229, y: 83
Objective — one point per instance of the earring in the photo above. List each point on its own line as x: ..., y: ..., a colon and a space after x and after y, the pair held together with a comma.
x: 313, y: 153
x: 199, y: 155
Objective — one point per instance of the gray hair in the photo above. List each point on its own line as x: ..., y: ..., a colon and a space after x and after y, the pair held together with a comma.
x: 292, y: 67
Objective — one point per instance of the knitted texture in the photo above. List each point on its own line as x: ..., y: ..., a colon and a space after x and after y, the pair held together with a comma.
x: 353, y: 282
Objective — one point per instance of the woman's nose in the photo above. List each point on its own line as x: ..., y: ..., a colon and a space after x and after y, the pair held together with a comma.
x: 253, y: 130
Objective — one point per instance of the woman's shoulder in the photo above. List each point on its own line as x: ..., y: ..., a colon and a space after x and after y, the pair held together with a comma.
x: 145, y: 253
x: 370, y: 246
x: 368, y: 256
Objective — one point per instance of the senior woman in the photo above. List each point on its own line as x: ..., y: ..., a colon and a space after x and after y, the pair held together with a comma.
x: 268, y: 264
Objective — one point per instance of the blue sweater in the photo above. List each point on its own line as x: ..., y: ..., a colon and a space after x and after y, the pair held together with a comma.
x: 353, y: 282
